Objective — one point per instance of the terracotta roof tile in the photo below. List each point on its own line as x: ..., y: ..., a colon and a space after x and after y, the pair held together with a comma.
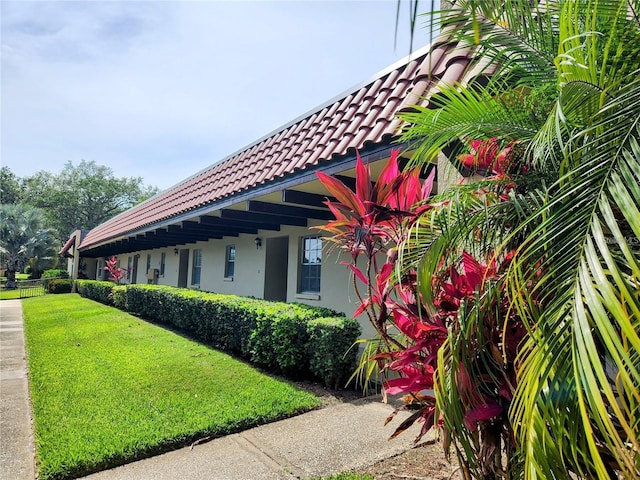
x: 362, y: 116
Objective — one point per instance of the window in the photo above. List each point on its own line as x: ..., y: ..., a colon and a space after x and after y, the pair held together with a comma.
x: 197, y: 266
x: 230, y: 261
x: 100, y: 270
x: 148, y: 263
x: 163, y: 258
x: 129, y: 268
x: 310, y: 262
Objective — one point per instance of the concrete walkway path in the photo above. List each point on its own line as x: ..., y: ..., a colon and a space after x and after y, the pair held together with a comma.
x: 323, y: 442
x: 333, y: 439
x: 16, y: 445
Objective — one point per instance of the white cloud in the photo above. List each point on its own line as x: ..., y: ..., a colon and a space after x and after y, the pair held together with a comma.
x: 163, y: 89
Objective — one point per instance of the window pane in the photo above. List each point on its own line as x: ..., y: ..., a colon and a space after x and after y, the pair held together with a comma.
x: 197, y: 263
x: 311, y: 260
x: 230, y: 261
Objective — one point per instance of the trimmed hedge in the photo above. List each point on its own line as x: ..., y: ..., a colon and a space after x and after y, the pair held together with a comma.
x: 119, y: 297
x: 59, y: 285
x: 332, y: 353
x: 100, y: 291
x: 298, y: 340
x: 48, y: 275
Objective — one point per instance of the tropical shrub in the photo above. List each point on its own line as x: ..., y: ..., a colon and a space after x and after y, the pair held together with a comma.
x: 116, y: 274
x: 553, y: 238
x: 23, y: 236
x: 453, y: 331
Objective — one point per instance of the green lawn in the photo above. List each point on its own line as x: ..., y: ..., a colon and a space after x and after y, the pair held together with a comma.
x: 9, y: 294
x: 108, y: 388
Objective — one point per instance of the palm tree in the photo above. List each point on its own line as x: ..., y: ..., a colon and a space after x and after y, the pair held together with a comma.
x: 565, y: 93
x: 22, y: 237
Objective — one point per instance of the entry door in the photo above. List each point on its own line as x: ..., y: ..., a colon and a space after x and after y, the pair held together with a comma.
x: 183, y: 268
x: 134, y: 269
x: 275, y: 269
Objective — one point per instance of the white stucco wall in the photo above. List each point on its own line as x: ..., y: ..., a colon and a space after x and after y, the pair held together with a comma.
x: 336, y: 290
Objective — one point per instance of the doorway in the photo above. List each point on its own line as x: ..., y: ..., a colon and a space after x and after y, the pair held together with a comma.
x: 183, y: 268
x: 275, y: 269
x: 134, y: 269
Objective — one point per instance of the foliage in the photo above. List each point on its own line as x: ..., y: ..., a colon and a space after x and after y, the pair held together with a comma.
x: 116, y: 274
x: 277, y: 336
x: 22, y: 237
x: 82, y: 196
x: 11, y: 190
x: 119, y: 297
x: 279, y: 342
x: 55, y: 273
x: 108, y: 388
x: 565, y: 87
x: 100, y: 291
x: 60, y: 285
x: 331, y: 349
x: 42, y: 258
x: 47, y: 275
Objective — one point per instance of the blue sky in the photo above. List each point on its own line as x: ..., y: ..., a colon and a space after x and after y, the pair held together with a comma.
x: 163, y: 89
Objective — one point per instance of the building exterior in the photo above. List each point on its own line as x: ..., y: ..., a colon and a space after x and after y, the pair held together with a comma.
x: 244, y: 225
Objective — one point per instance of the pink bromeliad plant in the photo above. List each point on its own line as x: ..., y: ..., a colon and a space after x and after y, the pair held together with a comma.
x: 447, y: 343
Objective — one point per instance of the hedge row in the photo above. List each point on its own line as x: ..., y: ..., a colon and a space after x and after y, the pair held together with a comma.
x: 295, y: 339
x: 59, y: 285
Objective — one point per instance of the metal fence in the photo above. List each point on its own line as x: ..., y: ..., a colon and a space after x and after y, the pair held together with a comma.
x: 31, y: 288
x: 34, y: 288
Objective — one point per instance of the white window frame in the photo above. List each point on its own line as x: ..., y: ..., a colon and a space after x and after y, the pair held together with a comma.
x: 196, y: 267
x: 309, y: 263
x: 230, y: 262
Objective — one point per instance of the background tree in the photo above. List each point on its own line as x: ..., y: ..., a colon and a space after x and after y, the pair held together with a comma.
x: 11, y: 189
x: 23, y: 236
x: 83, y: 196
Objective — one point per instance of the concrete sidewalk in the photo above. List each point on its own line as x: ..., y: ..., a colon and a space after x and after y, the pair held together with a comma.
x: 336, y: 438
x: 318, y: 443
x: 16, y: 445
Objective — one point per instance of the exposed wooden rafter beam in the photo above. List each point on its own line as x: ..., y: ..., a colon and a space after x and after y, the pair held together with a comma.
x: 305, y: 198
x: 262, y: 217
x: 288, y: 210
x: 239, y: 225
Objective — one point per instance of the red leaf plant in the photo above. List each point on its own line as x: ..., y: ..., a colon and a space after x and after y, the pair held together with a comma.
x: 487, y: 158
x: 370, y: 224
x: 116, y: 274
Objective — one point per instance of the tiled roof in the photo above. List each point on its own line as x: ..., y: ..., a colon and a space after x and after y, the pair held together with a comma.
x: 362, y: 117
